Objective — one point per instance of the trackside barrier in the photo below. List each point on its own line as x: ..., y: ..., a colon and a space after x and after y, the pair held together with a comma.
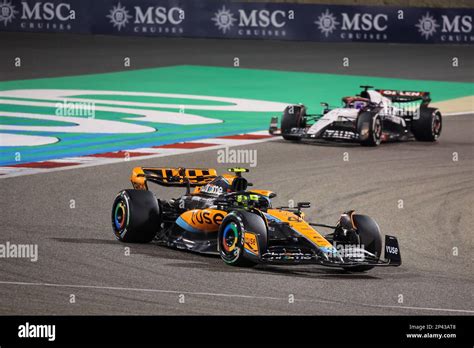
x: 224, y: 19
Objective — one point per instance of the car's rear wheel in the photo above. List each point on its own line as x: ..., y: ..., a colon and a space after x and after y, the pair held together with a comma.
x: 231, y: 242
x: 428, y: 126
x: 135, y: 216
x: 369, y: 128
x: 293, y: 117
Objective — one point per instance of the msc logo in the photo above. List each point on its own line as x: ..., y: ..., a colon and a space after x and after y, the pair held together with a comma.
x: 45, y: 16
x: 353, y: 26
x: 252, y: 22
x: 159, y: 15
x: 427, y: 25
x: 364, y: 22
x: 39, y: 11
x: 119, y: 16
x: 327, y: 23
x: 47, y: 11
x: 223, y: 19
x: 7, y: 12
x: 453, y: 28
x: 152, y: 19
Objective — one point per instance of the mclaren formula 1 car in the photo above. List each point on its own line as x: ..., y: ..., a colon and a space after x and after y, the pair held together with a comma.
x: 371, y: 117
x: 219, y: 214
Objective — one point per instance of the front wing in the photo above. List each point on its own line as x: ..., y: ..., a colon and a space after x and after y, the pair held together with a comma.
x: 392, y: 257
x: 342, y: 131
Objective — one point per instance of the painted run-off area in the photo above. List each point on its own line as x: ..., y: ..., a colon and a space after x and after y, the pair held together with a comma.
x: 188, y: 81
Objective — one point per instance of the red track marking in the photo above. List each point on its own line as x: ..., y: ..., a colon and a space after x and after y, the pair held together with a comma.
x: 119, y: 154
x: 51, y: 164
x: 183, y: 146
x: 46, y: 164
x: 246, y: 137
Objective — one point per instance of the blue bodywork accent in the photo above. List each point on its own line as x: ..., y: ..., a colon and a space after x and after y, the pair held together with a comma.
x: 184, y: 225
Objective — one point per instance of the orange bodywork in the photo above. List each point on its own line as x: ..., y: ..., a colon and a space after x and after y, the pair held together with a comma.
x: 138, y: 179
x: 251, y: 243
x: 205, y: 220
x: 171, y: 176
x: 301, y: 226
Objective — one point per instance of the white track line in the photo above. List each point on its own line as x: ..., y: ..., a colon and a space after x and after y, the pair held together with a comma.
x: 79, y: 159
x: 459, y: 113
x: 400, y: 307
x: 98, y: 287
x: 10, y: 171
x: 227, y: 142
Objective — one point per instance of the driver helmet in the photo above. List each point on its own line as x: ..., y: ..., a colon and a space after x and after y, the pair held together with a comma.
x: 358, y: 104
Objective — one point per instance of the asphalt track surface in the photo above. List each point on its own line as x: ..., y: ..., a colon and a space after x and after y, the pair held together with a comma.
x: 79, y: 255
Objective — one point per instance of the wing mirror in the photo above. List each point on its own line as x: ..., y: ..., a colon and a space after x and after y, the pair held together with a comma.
x: 326, y: 107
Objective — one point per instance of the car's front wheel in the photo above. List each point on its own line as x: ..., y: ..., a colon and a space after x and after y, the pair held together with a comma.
x: 369, y: 238
x: 293, y: 117
x: 369, y: 128
x: 231, y: 243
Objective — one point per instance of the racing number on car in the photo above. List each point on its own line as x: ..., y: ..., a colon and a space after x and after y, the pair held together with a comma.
x: 251, y: 242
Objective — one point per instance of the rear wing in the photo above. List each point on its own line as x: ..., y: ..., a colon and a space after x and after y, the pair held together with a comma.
x: 397, y: 96
x: 171, y: 177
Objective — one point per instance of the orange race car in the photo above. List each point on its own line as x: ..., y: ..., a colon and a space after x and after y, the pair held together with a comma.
x: 221, y: 215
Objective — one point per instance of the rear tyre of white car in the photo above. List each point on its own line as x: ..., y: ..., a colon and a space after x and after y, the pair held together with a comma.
x: 428, y: 126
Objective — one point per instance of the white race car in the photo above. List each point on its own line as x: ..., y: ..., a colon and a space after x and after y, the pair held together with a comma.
x: 373, y: 116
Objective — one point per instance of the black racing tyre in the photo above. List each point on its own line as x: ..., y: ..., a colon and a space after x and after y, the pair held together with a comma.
x: 428, y: 126
x: 369, y: 128
x: 293, y: 117
x: 136, y: 216
x: 369, y: 236
x: 231, y: 242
